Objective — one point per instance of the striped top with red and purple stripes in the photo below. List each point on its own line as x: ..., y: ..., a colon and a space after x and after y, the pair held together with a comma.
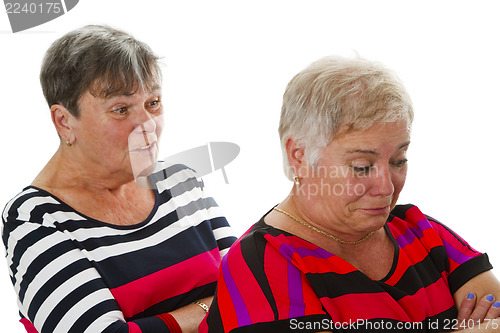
x: 273, y: 281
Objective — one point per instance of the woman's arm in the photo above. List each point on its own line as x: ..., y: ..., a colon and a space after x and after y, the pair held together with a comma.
x: 190, y: 316
x: 59, y: 290
x: 477, y: 304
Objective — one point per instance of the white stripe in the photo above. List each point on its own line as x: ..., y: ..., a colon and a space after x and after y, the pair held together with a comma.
x: 33, y: 252
x: 60, y: 216
x: 177, y: 178
x: 62, y: 291
x: 104, y: 321
x: 44, y: 275
x: 11, y: 202
x: 223, y: 232
x: 105, y: 252
x: 27, y: 206
x: 223, y: 252
x: 85, y: 303
x: 19, y: 233
x: 21, y: 308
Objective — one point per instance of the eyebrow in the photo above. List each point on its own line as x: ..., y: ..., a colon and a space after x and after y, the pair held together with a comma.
x: 372, y: 152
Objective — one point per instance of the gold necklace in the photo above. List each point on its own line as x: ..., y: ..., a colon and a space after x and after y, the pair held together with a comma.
x: 324, y: 232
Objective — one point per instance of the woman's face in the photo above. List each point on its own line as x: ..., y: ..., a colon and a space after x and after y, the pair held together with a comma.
x: 119, y: 135
x: 358, y: 178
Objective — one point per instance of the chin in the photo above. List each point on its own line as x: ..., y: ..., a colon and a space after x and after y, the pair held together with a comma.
x: 143, y: 169
x: 372, y: 223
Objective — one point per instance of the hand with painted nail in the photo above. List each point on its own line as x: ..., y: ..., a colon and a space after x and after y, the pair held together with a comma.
x: 480, y: 314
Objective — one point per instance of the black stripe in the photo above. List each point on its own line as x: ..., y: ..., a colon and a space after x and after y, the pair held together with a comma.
x: 69, y: 301
x: 41, y: 261
x: 214, y: 319
x: 333, y: 285
x: 421, y: 274
x: 226, y: 242
x: 177, y: 301
x: 123, y: 268
x: 467, y: 271
x: 89, y: 316
x: 54, y: 282
x: 218, y: 222
x: 253, y: 247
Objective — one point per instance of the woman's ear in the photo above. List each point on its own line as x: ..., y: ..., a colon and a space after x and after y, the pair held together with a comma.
x: 296, y: 158
x: 61, y: 118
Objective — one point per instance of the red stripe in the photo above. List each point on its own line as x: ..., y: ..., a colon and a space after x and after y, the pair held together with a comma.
x: 402, y: 266
x: 313, y: 304
x: 251, y: 293
x: 425, y: 303
x: 363, y: 306
x: 138, y: 295
x: 276, y: 270
x: 133, y: 328
x: 429, y: 301
x: 226, y: 307
x: 318, y: 266
x: 455, y: 240
x: 453, y: 264
x: 414, y: 214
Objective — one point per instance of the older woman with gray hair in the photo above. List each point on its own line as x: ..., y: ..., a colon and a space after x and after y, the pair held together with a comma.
x: 88, y: 248
x: 338, y: 253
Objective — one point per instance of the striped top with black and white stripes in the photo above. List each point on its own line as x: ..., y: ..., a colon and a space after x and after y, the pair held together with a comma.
x: 73, y: 273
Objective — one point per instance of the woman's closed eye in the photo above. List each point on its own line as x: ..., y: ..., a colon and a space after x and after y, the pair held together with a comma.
x: 361, y: 170
x: 400, y: 163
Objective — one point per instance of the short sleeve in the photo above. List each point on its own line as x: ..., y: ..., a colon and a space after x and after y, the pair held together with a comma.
x: 465, y: 262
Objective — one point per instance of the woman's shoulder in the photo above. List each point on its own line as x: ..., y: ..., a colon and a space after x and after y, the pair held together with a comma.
x: 31, y: 204
x: 410, y: 222
x: 410, y: 215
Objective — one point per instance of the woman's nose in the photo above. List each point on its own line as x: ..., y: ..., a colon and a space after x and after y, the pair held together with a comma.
x: 383, y: 182
x: 149, y: 126
x: 146, y: 122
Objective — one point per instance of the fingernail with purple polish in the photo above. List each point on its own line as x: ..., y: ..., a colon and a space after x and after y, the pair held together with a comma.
x: 470, y: 296
x: 490, y: 298
x: 496, y: 305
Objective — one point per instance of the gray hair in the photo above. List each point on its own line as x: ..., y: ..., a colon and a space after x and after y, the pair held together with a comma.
x: 98, y: 59
x: 335, y: 95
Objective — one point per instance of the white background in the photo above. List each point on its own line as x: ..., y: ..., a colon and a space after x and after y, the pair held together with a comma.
x: 226, y: 66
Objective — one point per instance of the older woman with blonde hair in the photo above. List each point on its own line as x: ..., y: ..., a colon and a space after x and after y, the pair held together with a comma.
x: 90, y: 249
x: 338, y: 253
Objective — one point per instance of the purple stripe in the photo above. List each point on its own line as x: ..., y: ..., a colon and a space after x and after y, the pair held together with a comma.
x: 455, y: 254
x: 297, y: 306
x: 412, y: 233
x: 239, y: 306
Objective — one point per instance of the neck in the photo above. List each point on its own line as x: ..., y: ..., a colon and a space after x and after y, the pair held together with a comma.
x: 65, y: 170
x: 314, y: 214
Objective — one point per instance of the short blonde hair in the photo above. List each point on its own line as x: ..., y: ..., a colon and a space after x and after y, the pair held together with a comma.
x: 335, y: 95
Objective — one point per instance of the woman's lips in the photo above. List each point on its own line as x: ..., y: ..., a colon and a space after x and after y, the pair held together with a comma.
x: 377, y: 210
